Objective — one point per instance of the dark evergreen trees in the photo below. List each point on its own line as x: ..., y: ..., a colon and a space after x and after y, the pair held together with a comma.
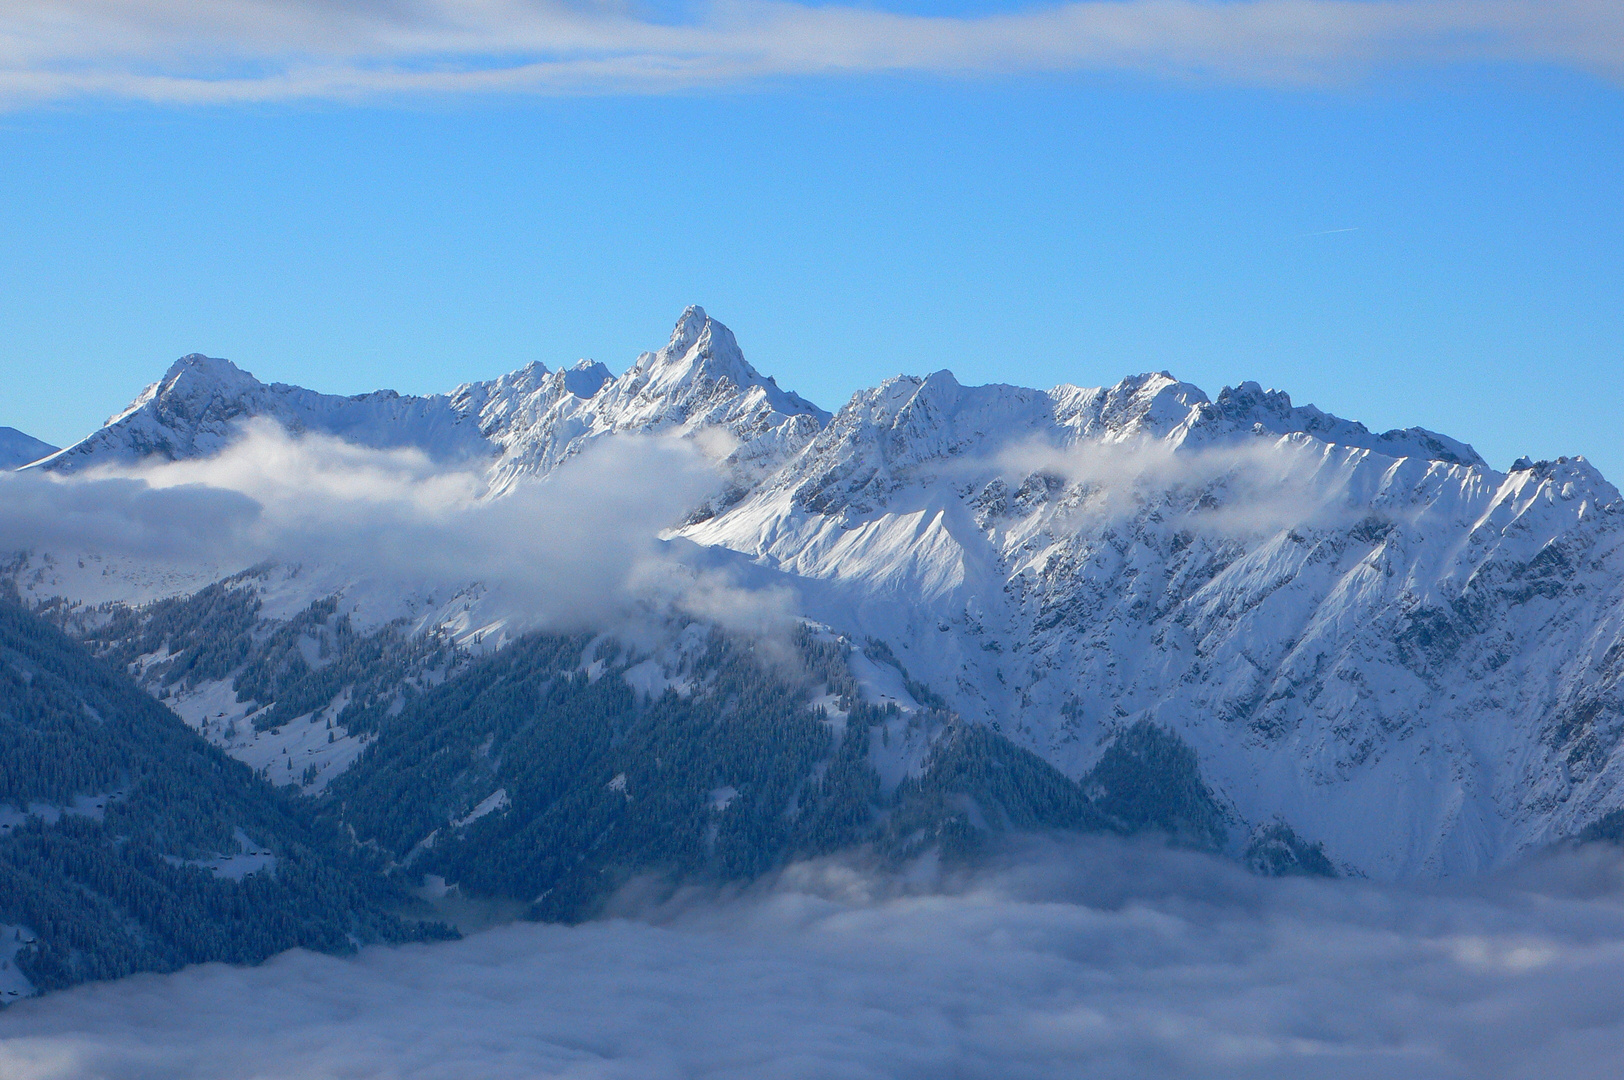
x: 111, y: 886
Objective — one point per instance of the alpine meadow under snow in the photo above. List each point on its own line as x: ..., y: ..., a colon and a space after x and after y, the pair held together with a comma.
x: 1021, y: 731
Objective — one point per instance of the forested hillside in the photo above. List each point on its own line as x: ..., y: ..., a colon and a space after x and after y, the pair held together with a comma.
x: 544, y: 775
x: 540, y: 775
x: 127, y: 843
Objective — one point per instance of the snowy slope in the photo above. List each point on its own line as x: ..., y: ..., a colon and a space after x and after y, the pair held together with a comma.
x: 1402, y: 652
x: 1398, y: 650
x: 18, y: 449
x: 195, y: 410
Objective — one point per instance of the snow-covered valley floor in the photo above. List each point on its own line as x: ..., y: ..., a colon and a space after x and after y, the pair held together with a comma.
x: 1099, y: 959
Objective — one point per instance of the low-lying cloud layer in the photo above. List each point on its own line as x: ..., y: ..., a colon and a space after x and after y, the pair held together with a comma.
x: 1098, y: 959
x: 578, y: 550
x: 254, y: 50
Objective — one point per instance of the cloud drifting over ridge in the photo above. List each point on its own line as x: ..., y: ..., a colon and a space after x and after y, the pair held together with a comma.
x: 1263, y: 485
x: 1099, y: 958
x: 580, y: 549
x: 257, y: 50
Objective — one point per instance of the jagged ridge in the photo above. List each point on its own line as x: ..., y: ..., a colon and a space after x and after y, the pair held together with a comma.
x: 1326, y: 615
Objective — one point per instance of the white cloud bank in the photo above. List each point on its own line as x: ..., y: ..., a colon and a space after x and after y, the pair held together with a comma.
x: 578, y: 550
x: 257, y: 50
x: 1101, y: 959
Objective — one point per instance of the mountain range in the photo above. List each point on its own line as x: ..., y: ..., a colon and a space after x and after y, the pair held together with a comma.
x: 1373, y: 644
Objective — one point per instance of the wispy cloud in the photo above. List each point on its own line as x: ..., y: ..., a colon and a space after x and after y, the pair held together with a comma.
x: 259, y: 50
x: 1247, y: 490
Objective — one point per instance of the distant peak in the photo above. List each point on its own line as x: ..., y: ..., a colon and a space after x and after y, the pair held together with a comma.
x: 195, y: 372
x: 1250, y: 406
x: 699, y: 343
x: 204, y: 364
x: 1250, y: 394
x: 586, y: 377
x: 525, y: 379
x: 1152, y: 400
x: 1153, y: 384
x: 19, y: 448
x: 692, y: 326
x: 703, y: 353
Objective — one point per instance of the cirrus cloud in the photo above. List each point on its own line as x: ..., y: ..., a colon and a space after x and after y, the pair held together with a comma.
x: 259, y: 50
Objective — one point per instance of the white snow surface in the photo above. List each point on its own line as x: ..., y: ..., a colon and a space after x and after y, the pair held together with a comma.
x: 13, y: 983
x: 1402, y: 652
x: 249, y: 858
x: 18, y: 448
x: 94, y: 577
x: 491, y: 803
x: 282, y: 754
x: 91, y: 806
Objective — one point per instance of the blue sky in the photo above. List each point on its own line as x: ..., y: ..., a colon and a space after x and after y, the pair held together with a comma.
x: 1403, y: 237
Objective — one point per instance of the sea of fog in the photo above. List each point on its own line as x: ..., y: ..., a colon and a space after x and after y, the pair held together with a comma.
x: 1094, y: 958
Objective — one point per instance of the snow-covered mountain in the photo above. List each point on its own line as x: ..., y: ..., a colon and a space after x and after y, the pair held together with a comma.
x: 18, y: 449
x: 1375, y: 638
x: 523, y: 423
x: 1400, y: 651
